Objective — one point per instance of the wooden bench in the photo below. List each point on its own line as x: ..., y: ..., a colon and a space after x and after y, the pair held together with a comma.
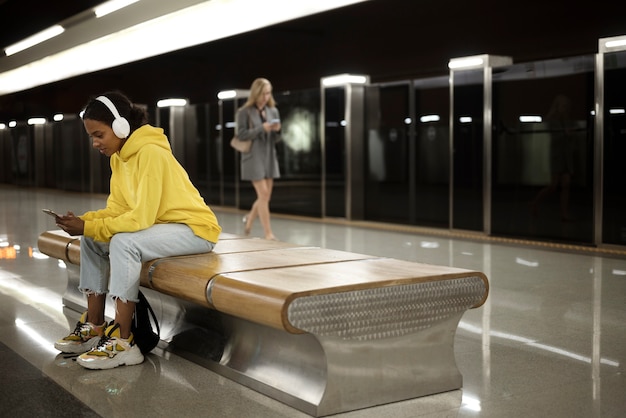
x: 321, y: 330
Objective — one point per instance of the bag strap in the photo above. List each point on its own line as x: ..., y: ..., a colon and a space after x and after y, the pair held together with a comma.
x: 249, y: 118
x: 143, y: 299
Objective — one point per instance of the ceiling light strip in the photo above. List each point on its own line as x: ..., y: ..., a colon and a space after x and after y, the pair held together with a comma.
x: 194, y: 25
x: 37, y: 38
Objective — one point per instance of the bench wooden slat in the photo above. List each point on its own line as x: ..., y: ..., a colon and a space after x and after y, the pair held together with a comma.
x: 344, y: 276
x: 249, y: 244
x: 187, y: 277
x: 59, y: 244
x: 264, y: 295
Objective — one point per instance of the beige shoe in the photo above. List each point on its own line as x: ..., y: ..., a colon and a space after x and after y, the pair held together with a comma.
x: 84, y: 337
x: 112, y: 351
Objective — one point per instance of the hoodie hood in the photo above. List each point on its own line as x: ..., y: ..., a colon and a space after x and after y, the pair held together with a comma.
x: 141, y: 137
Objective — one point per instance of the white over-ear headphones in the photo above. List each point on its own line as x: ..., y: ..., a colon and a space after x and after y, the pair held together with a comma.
x: 120, y: 126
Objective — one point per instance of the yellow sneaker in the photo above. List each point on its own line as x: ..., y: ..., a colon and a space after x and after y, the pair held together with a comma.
x: 112, y: 351
x: 84, y: 337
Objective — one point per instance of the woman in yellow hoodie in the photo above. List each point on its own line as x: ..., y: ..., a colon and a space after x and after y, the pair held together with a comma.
x: 153, y: 211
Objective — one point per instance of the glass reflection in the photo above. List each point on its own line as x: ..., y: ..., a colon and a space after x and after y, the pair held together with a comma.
x: 542, y: 177
x: 430, y: 206
x: 334, y: 152
x: 467, y: 201
x: 407, y: 158
x: 388, y: 157
x: 298, y: 191
x: 614, y: 196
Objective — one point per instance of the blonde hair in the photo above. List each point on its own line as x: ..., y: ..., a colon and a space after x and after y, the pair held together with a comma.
x: 256, y: 90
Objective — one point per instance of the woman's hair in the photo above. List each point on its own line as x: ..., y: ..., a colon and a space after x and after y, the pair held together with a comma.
x: 256, y: 90
x: 96, y: 110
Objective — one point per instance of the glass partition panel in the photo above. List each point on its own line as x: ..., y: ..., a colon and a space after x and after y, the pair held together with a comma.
x: 542, y: 177
x: 334, y: 151
x: 299, y: 189
x: 196, y: 136
x: 467, y: 146
x: 614, y: 173
x: 205, y: 151
x: 407, y: 156
x: 6, y: 156
x: 229, y: 158
x: 432, y: 162
x: 387, y: 158
x: 48, y: 167
x: 163, y: 119
x: 198, y: 144
x: 211, y: 164
x: 23, y: 168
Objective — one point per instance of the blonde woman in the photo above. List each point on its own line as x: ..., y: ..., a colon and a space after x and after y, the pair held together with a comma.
x: 258, y: 120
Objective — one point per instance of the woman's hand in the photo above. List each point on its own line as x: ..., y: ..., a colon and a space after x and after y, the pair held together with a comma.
x: 267, y: 126
x: 71, y: 224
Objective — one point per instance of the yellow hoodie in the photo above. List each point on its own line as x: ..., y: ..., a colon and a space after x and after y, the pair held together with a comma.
x: 148, y: 187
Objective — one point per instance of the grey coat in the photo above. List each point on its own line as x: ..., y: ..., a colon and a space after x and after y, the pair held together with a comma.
x: 261, y: 162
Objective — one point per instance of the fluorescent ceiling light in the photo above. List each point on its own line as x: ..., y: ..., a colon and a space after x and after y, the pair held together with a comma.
x: 530, y: 119
x: 187, y: 27
x: 36, y: 121
x: 171, y: 102
x: 429, y: 118
x: 465, y: 119
x: 615, y: 44
x: 111, y: 6
x: 58, y: 117
x: 12, y: 124
x: 617, y: 111
x: 470, y: 62
x: 34, y: 40
x: 233, y: 94
x: 226, y: 94
x: 342, y: 79
x: 2, y: 126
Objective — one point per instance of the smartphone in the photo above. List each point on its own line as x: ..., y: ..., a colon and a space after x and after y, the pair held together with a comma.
x: 51, y: 213
x: 274, y: 121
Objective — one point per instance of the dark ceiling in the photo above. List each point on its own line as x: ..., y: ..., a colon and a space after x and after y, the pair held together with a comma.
x: 21, y: 18
x: 387, y: 39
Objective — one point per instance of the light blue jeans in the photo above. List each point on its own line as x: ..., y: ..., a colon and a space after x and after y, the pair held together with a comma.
x: 114, y: 267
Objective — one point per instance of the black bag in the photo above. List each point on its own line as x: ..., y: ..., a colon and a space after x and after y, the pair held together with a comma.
x: 141, y: 327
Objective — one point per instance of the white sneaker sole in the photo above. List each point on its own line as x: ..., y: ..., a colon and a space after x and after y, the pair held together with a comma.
x: 126, y: 358
x: 76, y: 348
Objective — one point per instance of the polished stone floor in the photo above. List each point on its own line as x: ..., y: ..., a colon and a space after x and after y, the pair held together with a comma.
x: 549, y: 342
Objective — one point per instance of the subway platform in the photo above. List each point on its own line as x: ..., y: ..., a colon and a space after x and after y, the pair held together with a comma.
x: 549, y: 341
